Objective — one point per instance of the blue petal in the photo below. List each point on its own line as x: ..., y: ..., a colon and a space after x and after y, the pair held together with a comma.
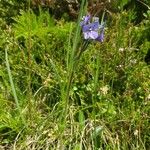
x: 100, y: 38
x: 91, y: 27
x: 90, y: 35
x: 86, y: 19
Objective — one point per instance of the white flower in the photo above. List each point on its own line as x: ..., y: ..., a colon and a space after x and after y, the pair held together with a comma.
x: 104, y: 89
x: 121, y: 49
x: 136, y: 132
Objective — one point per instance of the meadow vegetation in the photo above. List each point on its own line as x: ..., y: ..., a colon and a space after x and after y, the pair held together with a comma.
x: 51, y: 99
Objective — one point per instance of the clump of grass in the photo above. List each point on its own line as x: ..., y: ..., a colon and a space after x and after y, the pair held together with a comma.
x: 100, y: 101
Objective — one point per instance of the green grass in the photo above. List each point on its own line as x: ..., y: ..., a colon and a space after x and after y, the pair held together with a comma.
x: 52, y: 99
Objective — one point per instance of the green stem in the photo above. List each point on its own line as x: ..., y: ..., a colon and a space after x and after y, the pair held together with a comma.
x: 12, y: 85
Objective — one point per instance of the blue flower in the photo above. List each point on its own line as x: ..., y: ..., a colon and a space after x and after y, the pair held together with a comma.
x: 92, y: 30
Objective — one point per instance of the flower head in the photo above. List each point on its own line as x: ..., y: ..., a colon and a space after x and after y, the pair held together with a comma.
x: 92, y: 30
